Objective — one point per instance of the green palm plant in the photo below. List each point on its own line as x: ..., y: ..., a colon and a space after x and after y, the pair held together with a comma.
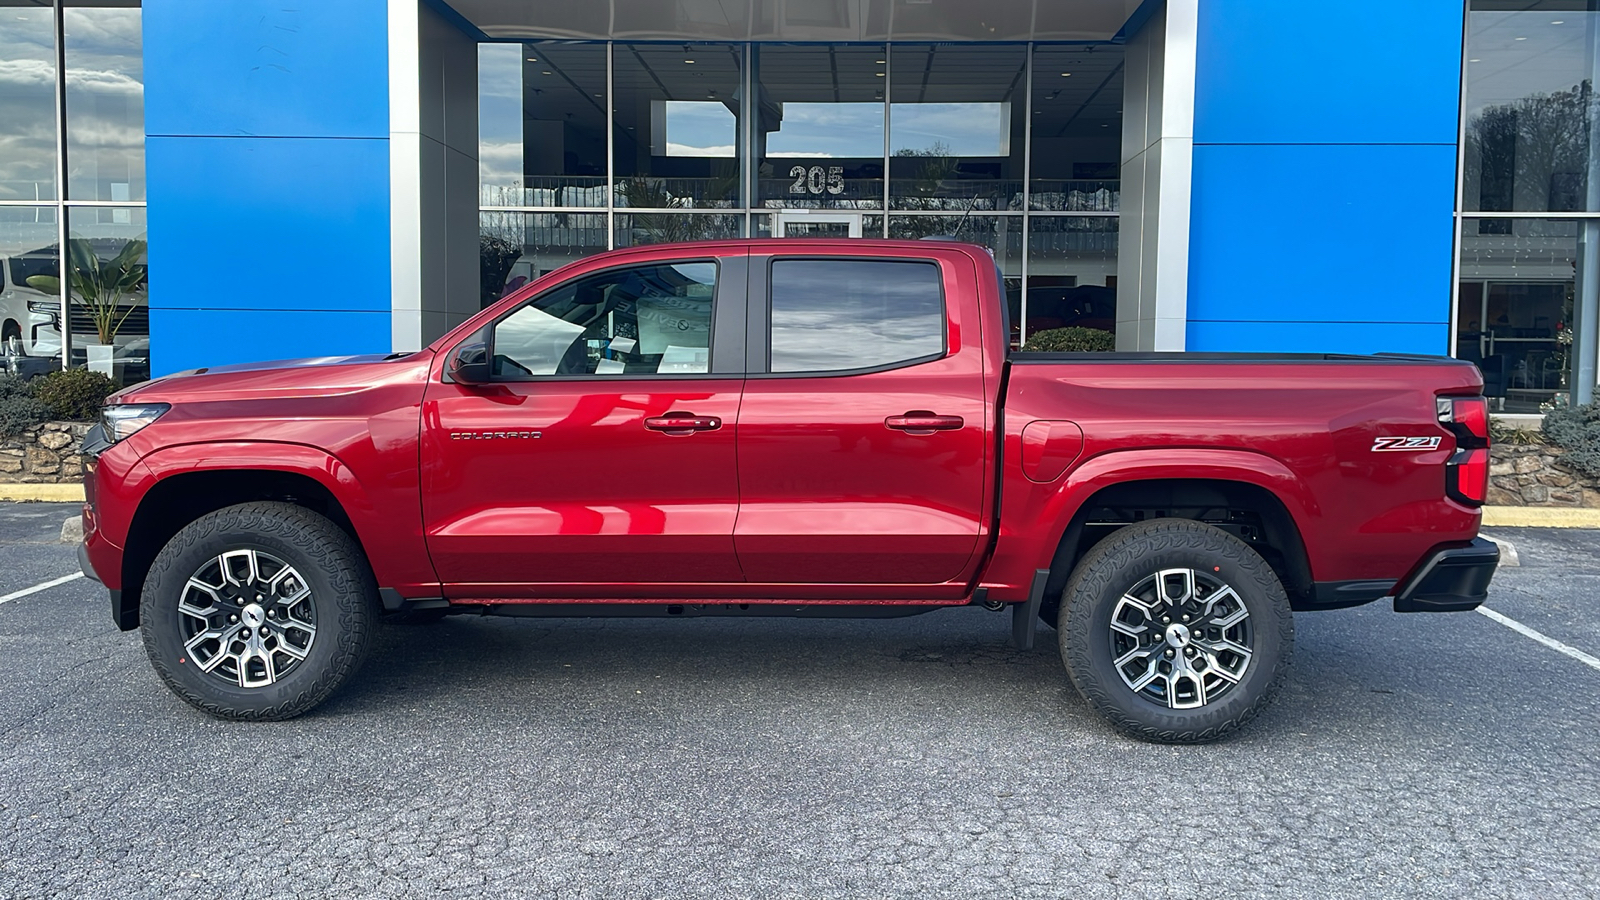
x: 101, y: 286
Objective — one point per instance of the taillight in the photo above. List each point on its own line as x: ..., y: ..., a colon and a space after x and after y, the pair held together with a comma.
x: 1468, y: 418
x: 1466, y: 475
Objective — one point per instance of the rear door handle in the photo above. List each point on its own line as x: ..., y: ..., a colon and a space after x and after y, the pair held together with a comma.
x: 682, y: 423
x: 920, y: 421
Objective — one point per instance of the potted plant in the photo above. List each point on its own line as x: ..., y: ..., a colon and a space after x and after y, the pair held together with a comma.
x: 101, y: 289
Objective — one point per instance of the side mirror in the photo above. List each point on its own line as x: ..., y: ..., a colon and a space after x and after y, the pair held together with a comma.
x: 469, y: 364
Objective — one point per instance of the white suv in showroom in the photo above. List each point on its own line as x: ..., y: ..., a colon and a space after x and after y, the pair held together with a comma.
x: 33, y: 319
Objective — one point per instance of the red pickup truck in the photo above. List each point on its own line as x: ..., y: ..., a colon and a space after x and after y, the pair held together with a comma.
x: 785, y: 427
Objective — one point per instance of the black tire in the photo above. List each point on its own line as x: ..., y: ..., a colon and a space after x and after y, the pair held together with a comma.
x: 341, y: 606
x: 9, y: 330
x: 1117, y: 572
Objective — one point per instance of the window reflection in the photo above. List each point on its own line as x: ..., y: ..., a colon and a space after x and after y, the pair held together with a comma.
x: 638, y: 229
x: 677, y: 125
x: 27, y: 104
x: 819, y: 127
x: 836, y: 315
x: 28, y: 238
x: 515, y: 248
x: 646, y: 320
x: 1528, y: 107
x: 1077, y: 128
x: 1072, y: 273
x: 1514, y: 313
x: 956, y: 126
x: 105, y: 103
x: 542, y: 125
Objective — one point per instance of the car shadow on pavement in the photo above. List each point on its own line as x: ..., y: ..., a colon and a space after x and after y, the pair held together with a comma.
x: 957, y: 661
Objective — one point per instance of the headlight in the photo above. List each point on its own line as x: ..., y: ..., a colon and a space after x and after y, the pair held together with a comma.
x: 120, y: 422
x: 44, y: 306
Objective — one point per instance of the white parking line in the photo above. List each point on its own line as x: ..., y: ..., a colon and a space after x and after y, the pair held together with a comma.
x: 16, y: 595
x: 1550, y: 642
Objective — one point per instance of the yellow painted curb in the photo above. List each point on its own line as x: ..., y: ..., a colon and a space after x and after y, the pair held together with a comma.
x: 1540, y: 517
x: 53, y: 493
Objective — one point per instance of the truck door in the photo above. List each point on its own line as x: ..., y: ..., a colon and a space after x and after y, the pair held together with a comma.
x: 599, y: 458
x: 861, y: 434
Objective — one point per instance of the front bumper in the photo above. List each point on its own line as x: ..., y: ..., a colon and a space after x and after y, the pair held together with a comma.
x: 1451, y: 580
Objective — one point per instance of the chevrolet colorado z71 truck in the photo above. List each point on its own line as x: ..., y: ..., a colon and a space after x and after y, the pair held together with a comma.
x: 785, y: 427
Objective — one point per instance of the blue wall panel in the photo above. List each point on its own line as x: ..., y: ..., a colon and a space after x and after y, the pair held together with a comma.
x: 189, y: 338
x: 1306, y: 234
x: 270, y: 223
x: 255, y: 67
x: 267, y: 161
x: 1353, y: 71
x: 1316, y: 337
x: 1324, y: 175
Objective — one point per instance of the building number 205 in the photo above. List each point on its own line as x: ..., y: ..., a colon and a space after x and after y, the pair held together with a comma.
x: 817, y: 180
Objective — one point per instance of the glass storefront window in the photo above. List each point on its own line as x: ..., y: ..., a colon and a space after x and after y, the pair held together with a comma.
x: 1529, y: 104
x: 638, y: 229
x: 105, y: 101
x: 1077, y: 128
x: 956, y: 126
x: 27, y: 104
x: 542, y: 137
x: 819, y: 126
x: 28, y: 236
x: 1514, y: 310
x: 716, y: 140
x: 110, y: 293
x: 1072, y: 273
x: 677, y: 125
x: 515, y: 248
x: 1001, y: 234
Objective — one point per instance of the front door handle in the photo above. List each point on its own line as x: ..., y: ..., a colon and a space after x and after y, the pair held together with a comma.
x: 677, y: 423
x: 920, y: 421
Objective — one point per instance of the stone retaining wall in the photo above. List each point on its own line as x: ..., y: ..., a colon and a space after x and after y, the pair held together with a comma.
x: 44, y: 454
x: 1532, y: 475
x: 1519, y: 474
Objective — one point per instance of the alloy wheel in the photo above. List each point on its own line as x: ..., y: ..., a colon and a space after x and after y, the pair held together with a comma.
x: 247, y: 618
x: 1181, y: 638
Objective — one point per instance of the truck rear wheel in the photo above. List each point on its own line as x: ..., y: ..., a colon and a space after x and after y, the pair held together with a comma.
x: 257, y: 611
x: 1175, y: 631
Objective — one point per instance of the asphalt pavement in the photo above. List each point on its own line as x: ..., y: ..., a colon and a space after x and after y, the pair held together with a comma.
x: 1406, y: 755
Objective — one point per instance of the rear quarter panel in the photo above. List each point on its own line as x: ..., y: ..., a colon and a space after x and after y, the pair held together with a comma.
x: 1303, y: 429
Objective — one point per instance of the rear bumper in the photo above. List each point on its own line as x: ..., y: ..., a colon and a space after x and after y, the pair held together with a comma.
x: 1451, y: 580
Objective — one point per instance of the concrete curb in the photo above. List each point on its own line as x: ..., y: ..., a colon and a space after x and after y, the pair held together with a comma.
x: 1540, y: 517
x: 47, y: 493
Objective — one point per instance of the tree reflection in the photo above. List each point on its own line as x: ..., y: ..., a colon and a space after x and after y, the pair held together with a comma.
x: 1532, y: 153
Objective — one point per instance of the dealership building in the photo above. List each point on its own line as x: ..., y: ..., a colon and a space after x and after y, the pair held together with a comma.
x: 359, y: 176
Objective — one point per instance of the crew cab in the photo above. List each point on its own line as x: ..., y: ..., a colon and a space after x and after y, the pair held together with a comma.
x: 785, y: 427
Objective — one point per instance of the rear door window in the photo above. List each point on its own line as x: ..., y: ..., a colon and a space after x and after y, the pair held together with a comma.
x: 836, y: 315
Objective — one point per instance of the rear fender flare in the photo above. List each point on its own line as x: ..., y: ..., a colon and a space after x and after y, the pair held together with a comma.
x: 1124, y: 466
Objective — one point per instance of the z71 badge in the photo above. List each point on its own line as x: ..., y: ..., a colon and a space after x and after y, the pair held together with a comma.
x: 1389, y: 443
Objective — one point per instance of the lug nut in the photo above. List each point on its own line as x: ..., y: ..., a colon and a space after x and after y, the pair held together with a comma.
x: 1169, y: 654
x: 233, y: 618
x: 1166, y: 620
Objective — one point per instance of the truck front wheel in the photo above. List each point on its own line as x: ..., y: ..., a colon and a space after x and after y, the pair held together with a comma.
x: 1175, y: 631
x: 257, y: 611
